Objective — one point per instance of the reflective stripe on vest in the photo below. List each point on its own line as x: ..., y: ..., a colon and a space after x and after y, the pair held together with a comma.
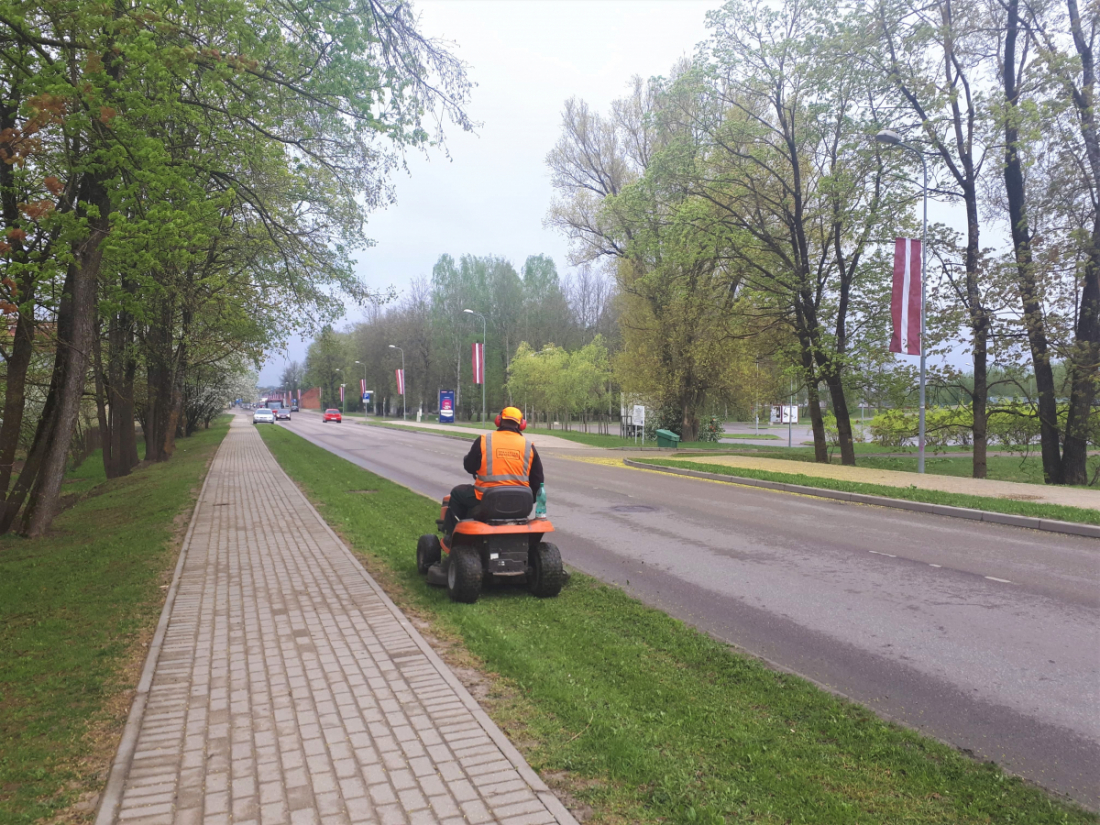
x: 512, y: 473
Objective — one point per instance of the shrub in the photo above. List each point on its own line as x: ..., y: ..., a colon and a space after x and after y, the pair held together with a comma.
x: 893, y: 428
x: 710, y: 429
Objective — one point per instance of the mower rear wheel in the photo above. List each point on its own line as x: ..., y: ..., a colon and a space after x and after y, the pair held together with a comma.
x: 547, y: 574
x: 464, y: 576
x: 428, y: 552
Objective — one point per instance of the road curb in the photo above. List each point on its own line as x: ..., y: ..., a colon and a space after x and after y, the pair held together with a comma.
x: 1046, y: 525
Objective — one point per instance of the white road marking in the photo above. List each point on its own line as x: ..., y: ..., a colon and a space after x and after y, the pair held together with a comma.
x: 995, y: 579
x: 889, y: 555
x: 934, y: 565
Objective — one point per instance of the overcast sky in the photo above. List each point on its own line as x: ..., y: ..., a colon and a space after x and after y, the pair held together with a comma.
x: 526, y: 58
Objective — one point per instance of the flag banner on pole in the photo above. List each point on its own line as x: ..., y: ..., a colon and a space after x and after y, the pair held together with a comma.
x: 341, y: 393
x: 362, y: 386
x: 400, y: 381
x: 905, y: 301
x: 479, y: 363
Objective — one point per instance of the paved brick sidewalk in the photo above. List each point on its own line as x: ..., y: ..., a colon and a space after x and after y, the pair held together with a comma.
x: 283, y: 686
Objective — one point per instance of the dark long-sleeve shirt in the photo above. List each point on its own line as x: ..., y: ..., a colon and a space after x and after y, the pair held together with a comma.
x: 472, y: 463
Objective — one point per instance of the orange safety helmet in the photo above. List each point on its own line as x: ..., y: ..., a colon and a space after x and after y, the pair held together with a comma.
x: 512, y: 414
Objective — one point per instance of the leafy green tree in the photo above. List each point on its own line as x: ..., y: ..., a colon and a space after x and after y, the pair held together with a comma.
x: 178, y: 143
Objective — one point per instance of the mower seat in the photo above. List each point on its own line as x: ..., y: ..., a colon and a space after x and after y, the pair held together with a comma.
x: 504, y: 504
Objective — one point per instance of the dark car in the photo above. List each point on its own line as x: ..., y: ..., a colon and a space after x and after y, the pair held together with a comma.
x: 294, y: 407
x: 281, y: 411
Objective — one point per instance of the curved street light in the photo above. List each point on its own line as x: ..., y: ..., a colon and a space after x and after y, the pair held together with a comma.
x: 892, y: 138
x: 483, y: 359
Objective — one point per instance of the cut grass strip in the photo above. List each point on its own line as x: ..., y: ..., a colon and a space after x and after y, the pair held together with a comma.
x: 76, y: 607
x: 649, y: 720
x: 1057, y: 512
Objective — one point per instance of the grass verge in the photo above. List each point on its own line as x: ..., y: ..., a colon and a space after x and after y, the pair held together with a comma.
x: 993, y: 505
x: 467, y: 429
x: 1026, y: 469
x: 77, y: 608
x: 643, y: 719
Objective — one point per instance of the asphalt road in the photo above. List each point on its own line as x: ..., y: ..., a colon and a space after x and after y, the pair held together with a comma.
x: 984, y: 636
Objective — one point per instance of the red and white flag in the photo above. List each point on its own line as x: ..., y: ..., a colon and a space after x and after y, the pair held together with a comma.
x: 905, y: 301
x: 479, y: 363
x: 400, y: 381
x: 362, y: 387
x: 341, y: 393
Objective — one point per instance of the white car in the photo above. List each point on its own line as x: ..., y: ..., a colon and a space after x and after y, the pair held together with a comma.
x: 263, y: 416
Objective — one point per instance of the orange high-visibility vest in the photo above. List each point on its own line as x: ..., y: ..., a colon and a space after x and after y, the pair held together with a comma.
x: 505, y: 461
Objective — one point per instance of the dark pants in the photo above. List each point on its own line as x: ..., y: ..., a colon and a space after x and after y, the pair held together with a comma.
x: 463, y: 501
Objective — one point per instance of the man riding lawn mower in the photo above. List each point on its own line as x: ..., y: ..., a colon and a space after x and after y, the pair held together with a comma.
x: 486, y: 527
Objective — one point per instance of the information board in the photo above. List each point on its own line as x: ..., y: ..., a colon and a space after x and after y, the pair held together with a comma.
x: 446, y: 407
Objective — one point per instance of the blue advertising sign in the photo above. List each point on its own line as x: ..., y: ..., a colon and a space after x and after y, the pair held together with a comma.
x: 446, y: 407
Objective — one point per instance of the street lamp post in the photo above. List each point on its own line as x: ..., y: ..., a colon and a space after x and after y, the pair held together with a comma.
x: 345, y: 402
x: 483, y: 358
x: 404, y: 390
x: 892, y: 138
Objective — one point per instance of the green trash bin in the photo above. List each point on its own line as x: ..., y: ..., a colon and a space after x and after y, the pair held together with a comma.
x: 667, y: 438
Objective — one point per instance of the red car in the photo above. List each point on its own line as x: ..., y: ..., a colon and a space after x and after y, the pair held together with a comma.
x: 332, y: 415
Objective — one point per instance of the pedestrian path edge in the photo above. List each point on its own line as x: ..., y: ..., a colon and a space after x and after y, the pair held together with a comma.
x: 111, y: 799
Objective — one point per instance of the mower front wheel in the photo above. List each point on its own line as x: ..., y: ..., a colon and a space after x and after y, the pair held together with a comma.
x: 464, y: 576
x: 547, y: 575
x: 428, y: 552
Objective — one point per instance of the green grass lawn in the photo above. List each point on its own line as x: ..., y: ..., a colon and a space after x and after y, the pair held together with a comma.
x: 987, y: 503
x: 646, y: 720
x: 1028, y: 470
x: 75, y: 607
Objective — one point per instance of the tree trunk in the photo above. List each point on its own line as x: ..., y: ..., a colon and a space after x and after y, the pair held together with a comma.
x: 1034, y: 319
x: 1085, y: 359
x: 124, y: 363
x: 45, y: 467
x: 689, y: 423
x: 105, y: 433
x: 979, y: 326
x: 821, y: 445
x: 165, y: 395
x: 1083, y: 367
x: 843, y: 417
x: 15, y: 388
x: 980, y: 401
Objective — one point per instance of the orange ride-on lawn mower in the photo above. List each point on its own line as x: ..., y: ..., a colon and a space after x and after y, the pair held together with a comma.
x: 499, y: 541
